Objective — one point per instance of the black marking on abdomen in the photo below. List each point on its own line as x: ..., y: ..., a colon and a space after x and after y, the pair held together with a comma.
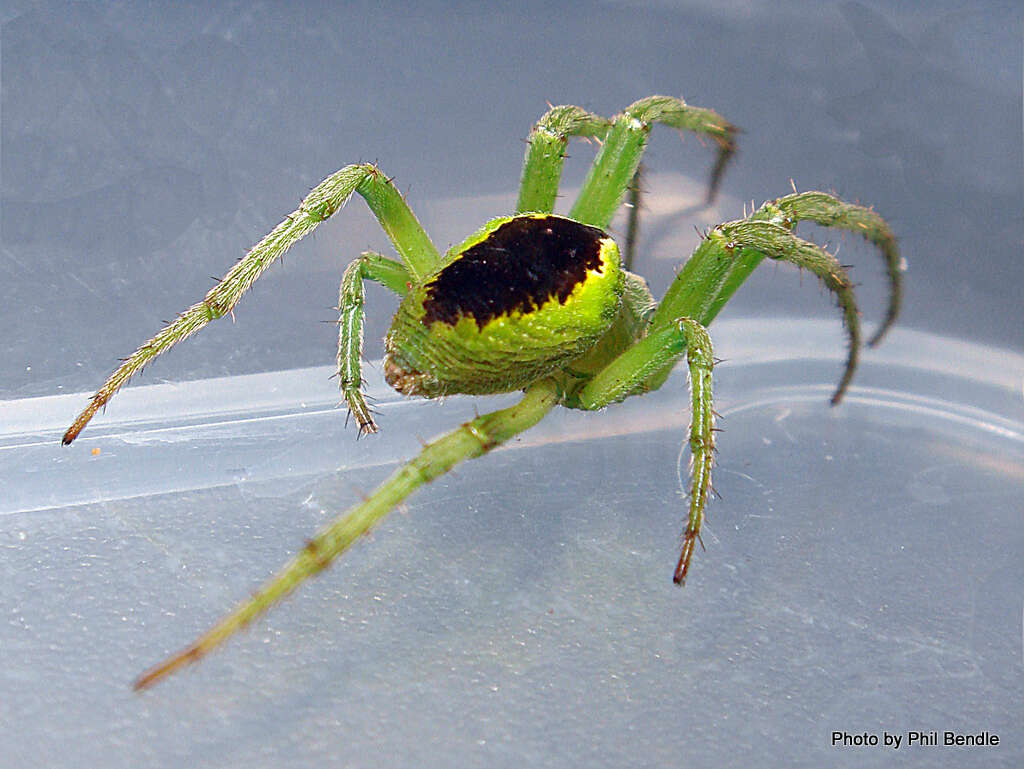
x: 521, y: 265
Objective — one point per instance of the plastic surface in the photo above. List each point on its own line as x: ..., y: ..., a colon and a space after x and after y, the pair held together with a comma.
x: 862, y: 568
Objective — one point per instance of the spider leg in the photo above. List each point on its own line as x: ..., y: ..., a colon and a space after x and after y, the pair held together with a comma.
x: 636, y: 195
x: 615, y: 166
x: 727, y: 256
x: 629, y: 373
x: 829, y: 211
x: 472, y: 439
x: 394, y: 215
x: 389, y: 273
x: 545, y: 153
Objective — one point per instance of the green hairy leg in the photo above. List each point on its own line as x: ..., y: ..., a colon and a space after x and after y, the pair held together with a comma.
x: 624, y: 140
x: 732, y: 251
x: 829, y: 211
x: 624, y: 143
x: 627, y: 374
x: 545, y: 154
x: 472, y: 439
x: 633, y: 206
x: 326, y: 198
x: 351, y: 296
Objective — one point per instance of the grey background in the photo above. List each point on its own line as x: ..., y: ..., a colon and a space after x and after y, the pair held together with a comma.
x: 145, y: 147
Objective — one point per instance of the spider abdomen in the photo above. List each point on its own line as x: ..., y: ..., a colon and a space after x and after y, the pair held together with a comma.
x: 518, y: 299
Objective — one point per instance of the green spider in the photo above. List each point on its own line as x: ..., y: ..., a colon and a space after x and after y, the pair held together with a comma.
x: 533, y: 302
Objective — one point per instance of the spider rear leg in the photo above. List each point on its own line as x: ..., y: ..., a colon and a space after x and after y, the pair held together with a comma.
x: 629, y: 373
x: 615, y: 166
x: 386, y: 203
x: 472, y: 439
x: 389, y: 273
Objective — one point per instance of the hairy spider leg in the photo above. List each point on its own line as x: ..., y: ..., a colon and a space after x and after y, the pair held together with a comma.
x: 545, y: 154
x: 392, y: 275
x: 829, y: 211
x: 628, y: 374
x: 615, y: 166
x: 472, y: 439
x: 386, y: 203
x: 546, y: 147
x: 709, y: 277
x: 633, y: 206
x: 721, y: 277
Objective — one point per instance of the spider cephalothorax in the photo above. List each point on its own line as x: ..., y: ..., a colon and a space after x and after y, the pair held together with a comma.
x: 533, y: 302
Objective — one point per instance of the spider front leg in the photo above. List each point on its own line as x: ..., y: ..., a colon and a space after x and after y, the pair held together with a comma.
x: 616, y: 164
x: 472, y: 439
x: 726, y: 257
x: 624, y: 139
x: 629, y: 373
x: 386, y: 203
x: 392, y: 275
x: 545, y: 154
x: 829, y: 211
